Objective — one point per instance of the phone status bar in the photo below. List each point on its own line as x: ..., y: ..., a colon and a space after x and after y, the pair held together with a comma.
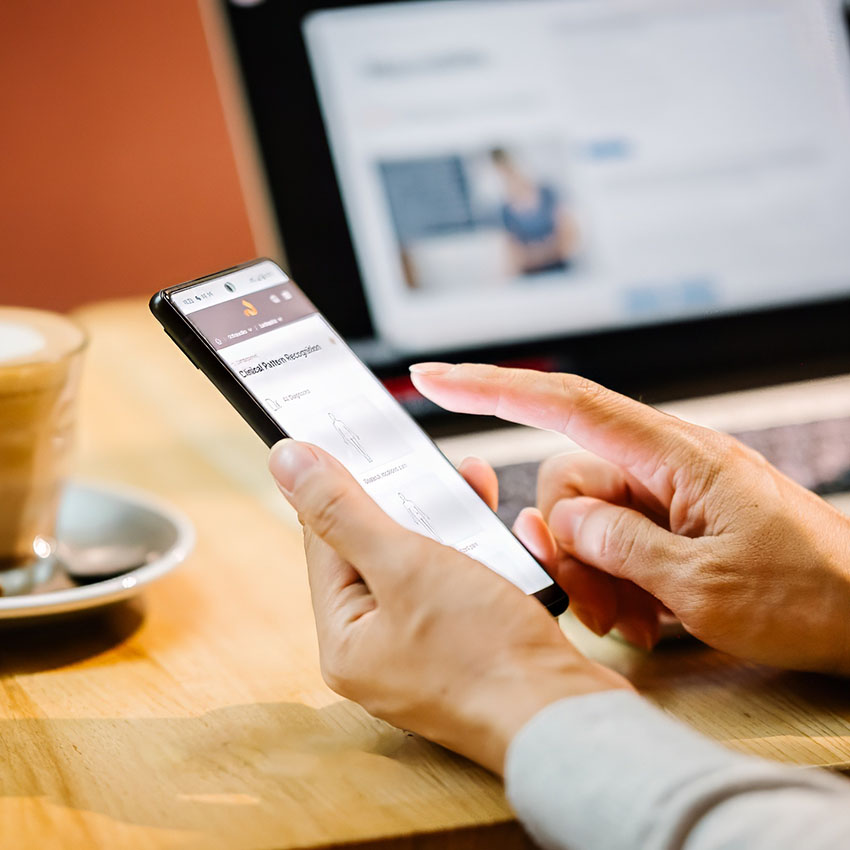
x: 223, y: 288
x: 261, y: 311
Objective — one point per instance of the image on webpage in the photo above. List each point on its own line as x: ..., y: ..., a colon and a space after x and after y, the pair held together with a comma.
x: 483, y: 218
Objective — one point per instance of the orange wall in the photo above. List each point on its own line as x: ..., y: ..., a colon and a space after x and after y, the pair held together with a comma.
x: 116, y: 174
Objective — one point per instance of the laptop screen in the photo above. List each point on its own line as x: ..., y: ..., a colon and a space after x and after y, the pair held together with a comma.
x: 515, y: 170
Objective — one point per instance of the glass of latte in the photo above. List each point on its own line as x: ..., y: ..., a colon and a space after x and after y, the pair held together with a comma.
x: 40, y: 358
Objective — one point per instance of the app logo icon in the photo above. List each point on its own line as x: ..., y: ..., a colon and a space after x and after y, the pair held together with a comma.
x: 250, y: 309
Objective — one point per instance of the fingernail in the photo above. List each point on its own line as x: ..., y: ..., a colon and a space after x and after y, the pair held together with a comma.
x: 650, y: 638
x: 640, y: 634
x: 590, y: 620
x: 647, y: 639
x: 431, y: 368
x: 288, y: 461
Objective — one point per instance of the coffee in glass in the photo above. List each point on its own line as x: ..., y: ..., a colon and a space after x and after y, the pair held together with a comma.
x: 40, y: 358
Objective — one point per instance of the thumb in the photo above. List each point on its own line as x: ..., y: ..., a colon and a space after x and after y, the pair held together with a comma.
x: 620, y: 541
x: 334, y: 507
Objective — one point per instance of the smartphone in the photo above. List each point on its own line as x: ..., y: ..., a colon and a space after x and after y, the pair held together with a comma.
x: 285, y: 369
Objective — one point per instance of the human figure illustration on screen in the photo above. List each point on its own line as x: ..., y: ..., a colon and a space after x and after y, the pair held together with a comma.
x: 420, y: 517
x: 350, y: 438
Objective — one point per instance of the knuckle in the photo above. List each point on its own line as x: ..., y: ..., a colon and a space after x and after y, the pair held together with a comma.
x: 617, y: 542
x: 704, y: 452
x: 572, y: 386
x: 489, y: 371
x: 568, y: 387
x: 712, y: 446
x: 561, y: 476
x: 710, y: 585
x: 507, y: 381
x: 558, y: 469
x: 740, y: 452
x: 584, y: 392
x: 582, y: 386
x: 323, y: 517
x: 578, y: 393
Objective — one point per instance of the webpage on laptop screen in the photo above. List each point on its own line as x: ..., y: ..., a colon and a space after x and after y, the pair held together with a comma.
x: 523, y: 168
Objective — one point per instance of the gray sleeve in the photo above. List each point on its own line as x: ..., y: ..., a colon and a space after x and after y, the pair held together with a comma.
x: 610, y: 770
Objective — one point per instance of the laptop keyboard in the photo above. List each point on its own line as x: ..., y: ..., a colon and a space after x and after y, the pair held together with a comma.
x: 815, y: 454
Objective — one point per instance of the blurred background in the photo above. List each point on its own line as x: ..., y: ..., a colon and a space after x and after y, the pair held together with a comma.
x: 118, y: 177
x: 578, y: 186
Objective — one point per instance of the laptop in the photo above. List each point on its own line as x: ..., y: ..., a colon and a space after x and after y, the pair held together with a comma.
x: 652, y: 193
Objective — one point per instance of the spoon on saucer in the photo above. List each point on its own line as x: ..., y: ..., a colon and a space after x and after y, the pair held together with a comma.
x: 88, y: 564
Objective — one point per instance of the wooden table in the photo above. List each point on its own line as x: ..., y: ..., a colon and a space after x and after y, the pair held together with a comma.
x: 197, y: 717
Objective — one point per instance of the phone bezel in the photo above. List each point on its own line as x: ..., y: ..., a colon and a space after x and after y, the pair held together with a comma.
x: 206, y: 359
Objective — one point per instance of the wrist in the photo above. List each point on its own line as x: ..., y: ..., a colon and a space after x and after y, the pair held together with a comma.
x: 842, y: 625
x: 796, y: 610
x: 823, y: 602
x: 514, y: 692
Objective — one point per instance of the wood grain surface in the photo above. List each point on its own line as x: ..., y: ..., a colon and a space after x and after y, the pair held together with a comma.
x: 196, y: 717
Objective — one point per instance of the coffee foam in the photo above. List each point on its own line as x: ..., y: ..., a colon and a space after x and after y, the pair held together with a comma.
x: 36, y: 336
x: 18, y: 341
x: 35, y: 349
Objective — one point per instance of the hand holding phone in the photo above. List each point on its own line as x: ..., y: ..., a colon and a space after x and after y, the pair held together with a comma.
x: 417, y: 633
x: 289, y: 373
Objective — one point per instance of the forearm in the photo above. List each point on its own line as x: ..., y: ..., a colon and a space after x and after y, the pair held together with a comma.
x: 609, y: 770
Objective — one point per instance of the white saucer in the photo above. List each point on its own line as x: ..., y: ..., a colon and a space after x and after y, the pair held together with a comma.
x: 99, y: 515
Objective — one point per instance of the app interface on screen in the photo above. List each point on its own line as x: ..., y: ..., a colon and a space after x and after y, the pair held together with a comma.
x: 311, y: 383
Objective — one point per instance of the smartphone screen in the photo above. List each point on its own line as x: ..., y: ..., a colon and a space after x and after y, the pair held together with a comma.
x: 296, y: 366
